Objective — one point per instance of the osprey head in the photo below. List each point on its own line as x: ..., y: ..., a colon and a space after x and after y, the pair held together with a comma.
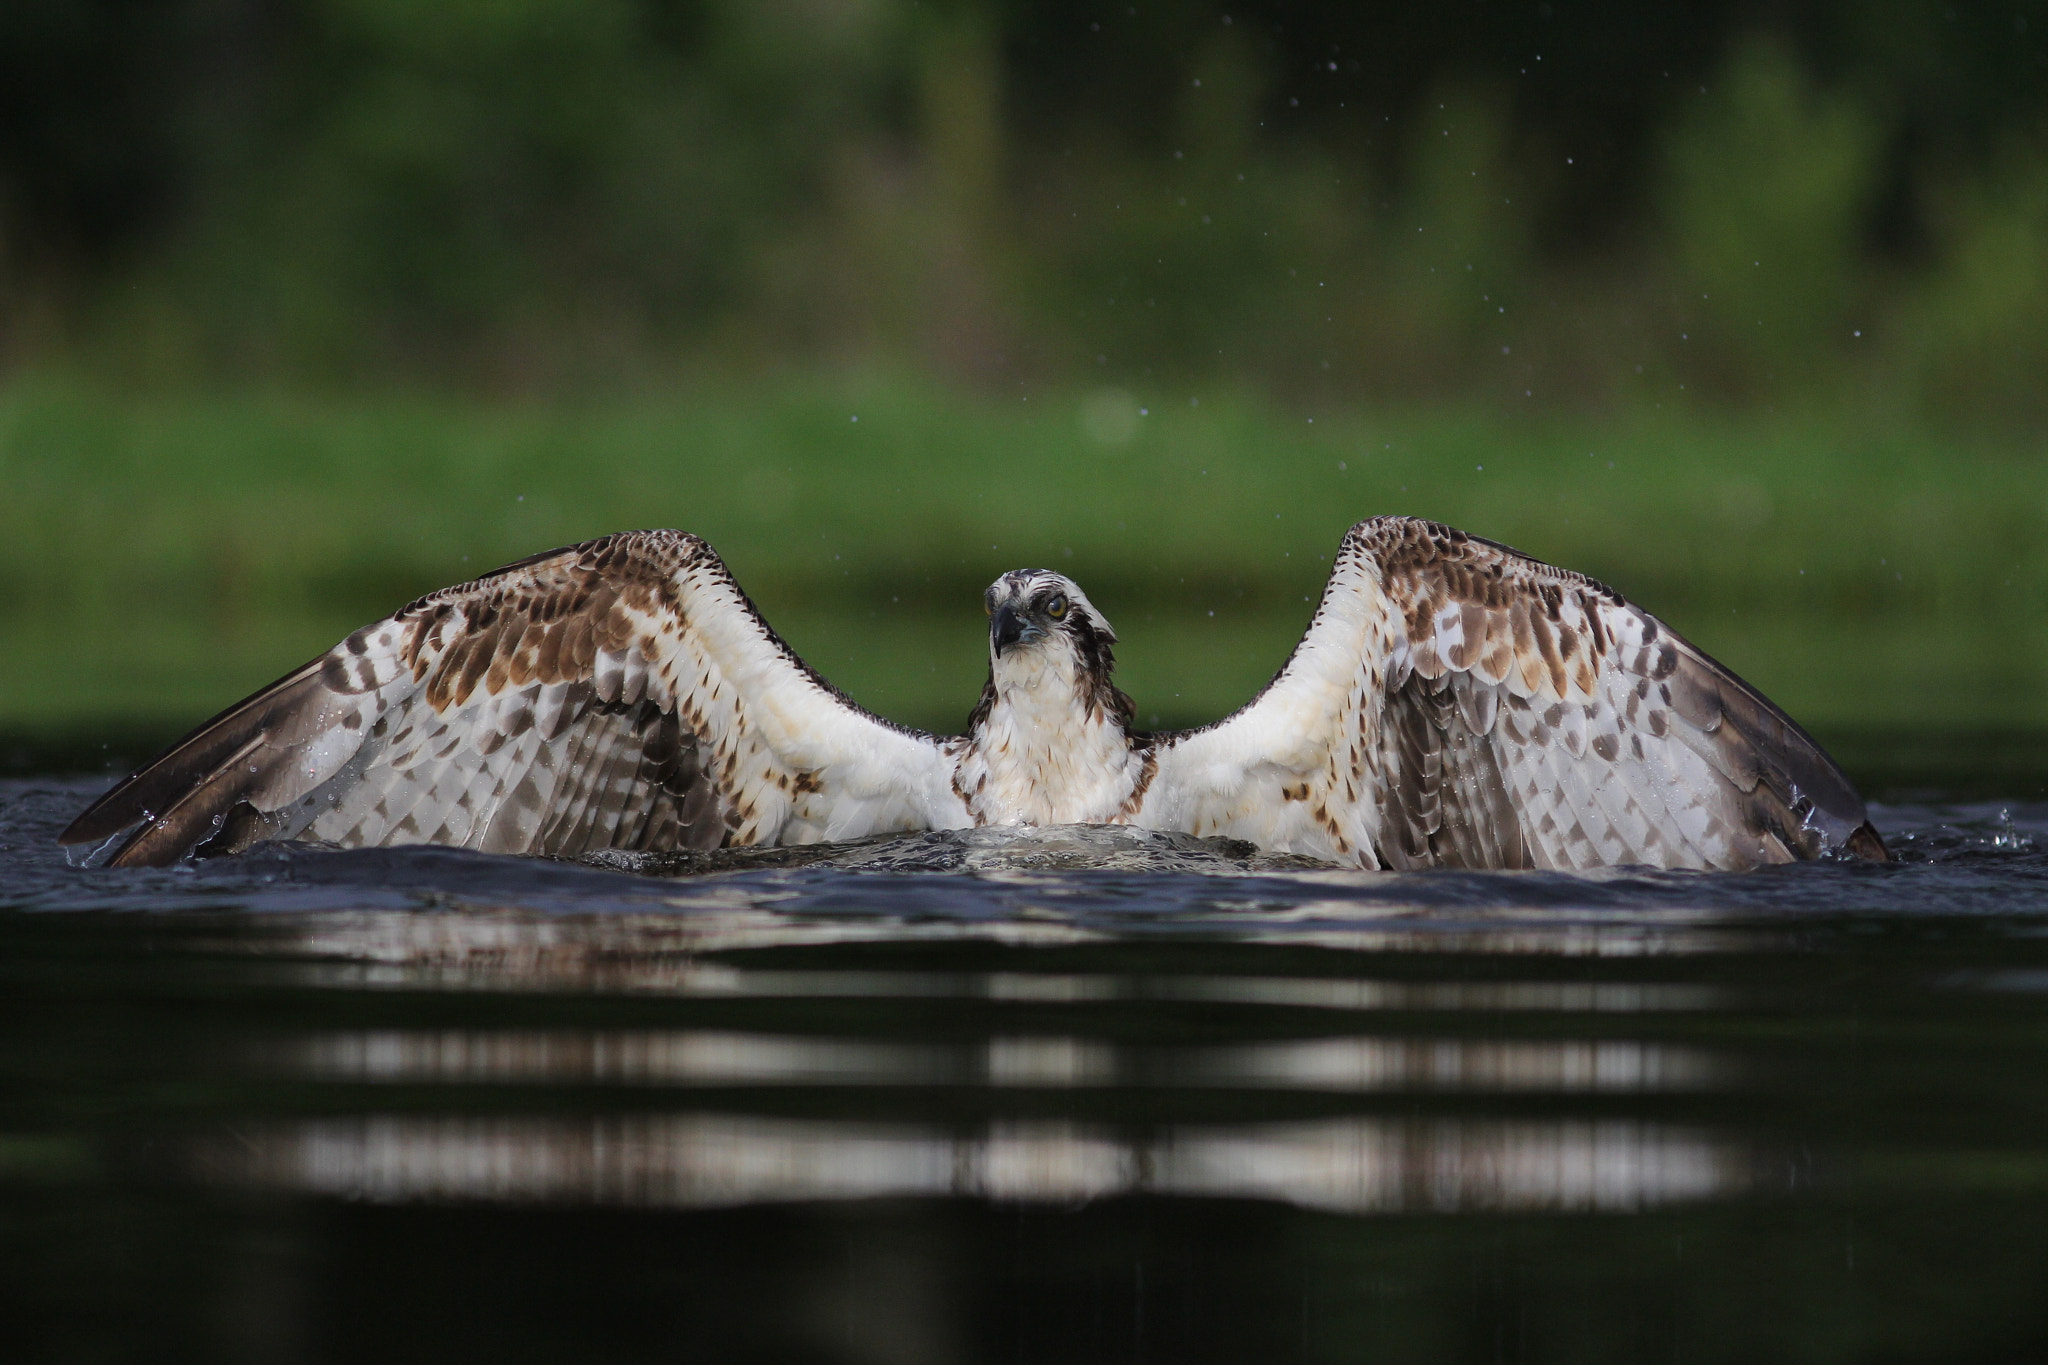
x: 1030, y: 608
x: 1043, y: 633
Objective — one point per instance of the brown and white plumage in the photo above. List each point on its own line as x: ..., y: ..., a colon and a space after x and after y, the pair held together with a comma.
x: 1457, y: 704
x: 617, y: 694
x: 1452, y: 704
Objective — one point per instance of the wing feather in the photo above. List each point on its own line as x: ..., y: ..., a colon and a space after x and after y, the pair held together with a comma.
x: 618, y: 693
x: 1455, y: 703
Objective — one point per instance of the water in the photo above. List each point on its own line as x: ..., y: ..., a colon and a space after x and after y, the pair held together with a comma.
x: 1075, y: 1096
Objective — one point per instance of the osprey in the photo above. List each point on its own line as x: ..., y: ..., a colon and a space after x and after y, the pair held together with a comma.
x: 1453, y: 704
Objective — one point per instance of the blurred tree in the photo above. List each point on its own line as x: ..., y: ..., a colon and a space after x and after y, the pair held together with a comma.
x: 1973, y: 334
x: 1335, y: 199
x: 1767, y: 190
x: 1461, y: 252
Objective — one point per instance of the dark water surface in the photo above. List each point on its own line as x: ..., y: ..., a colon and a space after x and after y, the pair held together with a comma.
x: 1072, y: 1096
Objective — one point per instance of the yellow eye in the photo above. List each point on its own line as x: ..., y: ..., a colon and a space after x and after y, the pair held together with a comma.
x: 1057, y: 607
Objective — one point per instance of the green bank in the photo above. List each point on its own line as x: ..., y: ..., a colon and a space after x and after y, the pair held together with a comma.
x: 166, y: 552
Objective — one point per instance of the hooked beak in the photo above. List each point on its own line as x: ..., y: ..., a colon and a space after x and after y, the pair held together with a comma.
x: 1006, y: 628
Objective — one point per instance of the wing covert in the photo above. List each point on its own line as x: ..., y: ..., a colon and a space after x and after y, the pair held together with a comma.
x: 1455, y: 703
x: 621, y: 693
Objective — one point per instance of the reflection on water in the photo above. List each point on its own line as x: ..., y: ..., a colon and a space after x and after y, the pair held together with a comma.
x: 506, y: 951
x: 1341, y: 1064
x: 1352, y: 1165
x: 1572, y: 997
x: 511, y: 949
x: 751, y: 1059
x: 672, y: 955
x: 420, y: 1104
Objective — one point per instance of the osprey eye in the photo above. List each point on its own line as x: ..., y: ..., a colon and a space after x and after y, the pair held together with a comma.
x: 1057, y: 607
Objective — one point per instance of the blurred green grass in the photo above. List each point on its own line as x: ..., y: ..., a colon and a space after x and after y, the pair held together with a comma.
x: 168, y: 552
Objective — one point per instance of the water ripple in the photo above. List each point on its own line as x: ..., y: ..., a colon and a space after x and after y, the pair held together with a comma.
x: 1069, y: 884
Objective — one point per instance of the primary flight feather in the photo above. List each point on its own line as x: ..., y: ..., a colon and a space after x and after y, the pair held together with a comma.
x: 1453, y: 704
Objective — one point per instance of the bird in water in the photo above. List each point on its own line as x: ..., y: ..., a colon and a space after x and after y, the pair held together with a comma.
x: 1452, y: 704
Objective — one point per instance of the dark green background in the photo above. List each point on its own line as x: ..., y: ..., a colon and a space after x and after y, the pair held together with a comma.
x: 308, y: 306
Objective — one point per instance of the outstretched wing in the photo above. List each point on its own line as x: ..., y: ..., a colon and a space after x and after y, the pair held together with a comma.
x: 622, y: 693
x: 1457, y: 704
